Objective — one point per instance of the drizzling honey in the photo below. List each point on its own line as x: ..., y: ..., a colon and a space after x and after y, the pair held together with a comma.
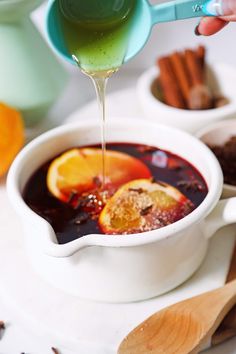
x: 98, y: 45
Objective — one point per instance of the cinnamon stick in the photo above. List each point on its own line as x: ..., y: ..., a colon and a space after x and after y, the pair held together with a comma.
x: 194, y: 67
x: 200, y: 96
x: 171, y: 89
x: 182, y: 79
x: 180, y: 69
x: 201, y: 54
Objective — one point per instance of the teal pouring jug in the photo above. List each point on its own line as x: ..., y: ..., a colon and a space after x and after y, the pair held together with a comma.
x: 31, y: 78
x: 145, y: 16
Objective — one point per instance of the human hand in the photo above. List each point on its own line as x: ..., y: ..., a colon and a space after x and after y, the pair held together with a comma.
x: 225, y: 10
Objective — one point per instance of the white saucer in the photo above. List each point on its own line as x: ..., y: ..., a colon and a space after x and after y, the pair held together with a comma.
x: 82, y: 326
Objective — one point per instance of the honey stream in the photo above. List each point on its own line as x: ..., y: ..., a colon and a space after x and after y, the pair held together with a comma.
x: 98, y: 46
x: 100, y: 82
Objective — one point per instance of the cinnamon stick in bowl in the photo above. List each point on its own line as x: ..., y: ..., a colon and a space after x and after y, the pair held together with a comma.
x: 182, y: 78
x: 200, y: 96
x: 170, y: 85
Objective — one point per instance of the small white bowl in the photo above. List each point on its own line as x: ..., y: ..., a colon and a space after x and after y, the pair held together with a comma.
x: 222, y: 80
x: 217, y: 134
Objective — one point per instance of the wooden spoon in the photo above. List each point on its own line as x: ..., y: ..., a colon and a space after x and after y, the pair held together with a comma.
x: 227, y: 328
x: 182, y: 328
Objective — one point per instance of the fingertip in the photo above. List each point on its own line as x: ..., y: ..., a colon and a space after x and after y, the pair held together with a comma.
x: 209, y: 26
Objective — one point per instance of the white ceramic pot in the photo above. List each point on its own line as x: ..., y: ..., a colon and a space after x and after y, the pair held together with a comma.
x: 221, y: 79
x: 128, y: 267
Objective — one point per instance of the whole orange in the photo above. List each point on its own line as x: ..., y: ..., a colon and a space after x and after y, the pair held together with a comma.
x: 11, y: 136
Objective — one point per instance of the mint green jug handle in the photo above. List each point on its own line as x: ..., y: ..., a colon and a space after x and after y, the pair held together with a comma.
x: 178, y: 10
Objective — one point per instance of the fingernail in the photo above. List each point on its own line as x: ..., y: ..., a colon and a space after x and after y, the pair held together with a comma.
x: 213, y: 8
x: 196, y: 31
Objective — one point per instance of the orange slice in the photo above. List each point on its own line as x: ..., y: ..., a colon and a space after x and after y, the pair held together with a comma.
x: 78, y: 170
x: 143, y: 205
x: 11, y: 136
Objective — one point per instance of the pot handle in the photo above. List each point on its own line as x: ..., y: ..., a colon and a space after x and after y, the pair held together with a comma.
x: 223, y: 214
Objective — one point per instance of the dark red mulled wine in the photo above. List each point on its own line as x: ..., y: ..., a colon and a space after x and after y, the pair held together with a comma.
x: 78, y: 216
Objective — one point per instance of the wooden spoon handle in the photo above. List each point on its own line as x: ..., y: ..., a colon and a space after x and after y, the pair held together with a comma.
x: 227, y: 328
x: 232, y: 268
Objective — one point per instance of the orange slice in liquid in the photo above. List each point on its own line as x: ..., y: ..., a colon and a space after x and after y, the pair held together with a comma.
x: 143, y: 205
x: 78, y: 170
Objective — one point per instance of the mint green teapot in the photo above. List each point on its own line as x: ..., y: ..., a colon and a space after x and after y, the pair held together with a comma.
x: 30, y: 76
